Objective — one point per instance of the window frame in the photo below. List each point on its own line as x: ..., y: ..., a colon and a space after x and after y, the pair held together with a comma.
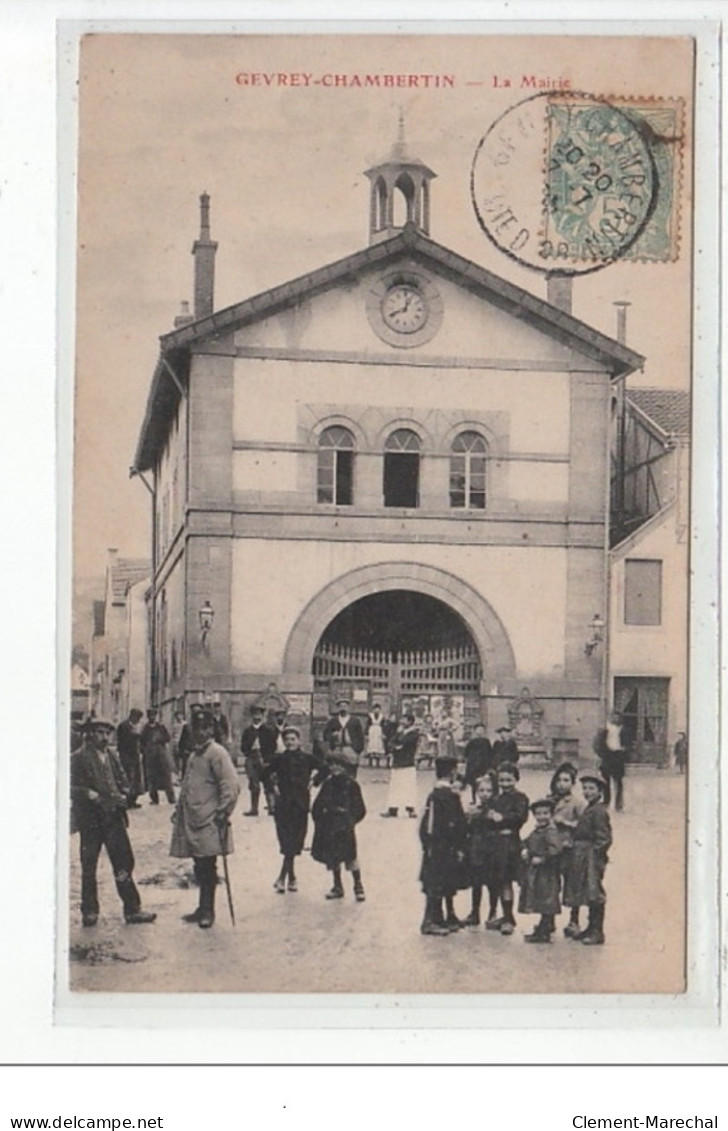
x: 335, y: 475
x: 394, y: 450
x: 467, y: 455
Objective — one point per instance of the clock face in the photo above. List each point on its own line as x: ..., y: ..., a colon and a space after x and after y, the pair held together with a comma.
x: 404, y: 309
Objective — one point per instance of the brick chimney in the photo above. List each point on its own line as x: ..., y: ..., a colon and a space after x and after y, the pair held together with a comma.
x: 558, y: 290
x: 204, y: 250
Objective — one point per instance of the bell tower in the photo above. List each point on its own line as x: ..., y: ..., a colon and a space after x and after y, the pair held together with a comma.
x: 400, y: 192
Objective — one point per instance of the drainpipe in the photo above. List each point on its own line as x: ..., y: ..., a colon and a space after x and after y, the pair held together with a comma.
x: 152, y: 489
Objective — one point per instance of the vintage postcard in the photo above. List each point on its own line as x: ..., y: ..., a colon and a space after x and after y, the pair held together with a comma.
x: 382, y: 524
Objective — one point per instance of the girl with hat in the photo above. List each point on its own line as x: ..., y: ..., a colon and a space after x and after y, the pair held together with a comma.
x: 567, y: 810
x: 585, y: 878
x: 541, y: 877
x: 289, y: 775
x: 336, y: 811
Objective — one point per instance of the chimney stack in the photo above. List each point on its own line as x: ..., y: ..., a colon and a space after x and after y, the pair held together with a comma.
x: 558, y: 290
x: 204, y: 250
x: 622, y: 321
x: 184, y: 317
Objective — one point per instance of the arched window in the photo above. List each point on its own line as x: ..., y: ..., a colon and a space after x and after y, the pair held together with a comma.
x: 467, y: 471
x: 402, y: 469
x: 335, y: 479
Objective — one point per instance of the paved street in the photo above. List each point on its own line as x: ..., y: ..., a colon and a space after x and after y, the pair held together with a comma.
x: 301, y: 943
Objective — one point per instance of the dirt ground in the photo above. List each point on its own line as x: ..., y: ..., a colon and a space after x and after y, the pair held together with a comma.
x: 300, y: 943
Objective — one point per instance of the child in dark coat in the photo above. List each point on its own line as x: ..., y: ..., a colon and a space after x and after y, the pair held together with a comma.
x: 585, y: 878
x: 483, y: 855
x: 443, y: 834
x: 567, y: 810
x: 289, y: 777
x: 541, y: 878
x: 510, y: 810
x: 336, y: 811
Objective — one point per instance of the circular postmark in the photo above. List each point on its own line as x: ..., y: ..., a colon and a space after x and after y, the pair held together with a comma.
x: 564, y: 182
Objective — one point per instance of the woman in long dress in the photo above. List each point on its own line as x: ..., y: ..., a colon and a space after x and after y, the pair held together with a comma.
x: 375, y: 747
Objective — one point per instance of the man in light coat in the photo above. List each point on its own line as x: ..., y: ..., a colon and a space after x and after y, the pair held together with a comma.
x: 208, y: 796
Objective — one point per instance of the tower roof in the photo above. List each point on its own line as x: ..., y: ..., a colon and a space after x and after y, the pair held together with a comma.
x: 400, y: 157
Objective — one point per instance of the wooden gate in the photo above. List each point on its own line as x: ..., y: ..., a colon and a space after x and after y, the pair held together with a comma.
x: 394, y: 675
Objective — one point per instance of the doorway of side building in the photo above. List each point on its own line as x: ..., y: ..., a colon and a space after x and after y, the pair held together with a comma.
x: 404, y: 650
x: 643, y: 703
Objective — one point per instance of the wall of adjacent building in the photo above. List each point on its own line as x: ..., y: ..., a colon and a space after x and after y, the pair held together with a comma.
x: 655, y: 650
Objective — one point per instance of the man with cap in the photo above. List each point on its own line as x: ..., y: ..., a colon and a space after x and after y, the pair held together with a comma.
x: 99, y: 799
x: 505, y: 747
x: 208, y: 795
x: 257, y: 745
x: 154, y: 744
x: 127, y: 745
x: 344, y: 733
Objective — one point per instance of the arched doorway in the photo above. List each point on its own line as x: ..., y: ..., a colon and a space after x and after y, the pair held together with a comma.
x: 402, y: 649
x: 486, y: 629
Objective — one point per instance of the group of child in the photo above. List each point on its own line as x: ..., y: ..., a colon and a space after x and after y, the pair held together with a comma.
x: 561, y: 861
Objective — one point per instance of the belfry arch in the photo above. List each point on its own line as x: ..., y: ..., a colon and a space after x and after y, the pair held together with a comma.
x: 496, y: 654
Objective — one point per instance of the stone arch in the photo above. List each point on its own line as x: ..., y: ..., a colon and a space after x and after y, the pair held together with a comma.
x: 491, y: 638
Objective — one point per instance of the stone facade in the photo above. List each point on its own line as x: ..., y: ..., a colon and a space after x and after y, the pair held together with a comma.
x: 261, y: 383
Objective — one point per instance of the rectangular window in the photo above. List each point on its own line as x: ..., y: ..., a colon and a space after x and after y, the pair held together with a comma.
x: 642, y: 591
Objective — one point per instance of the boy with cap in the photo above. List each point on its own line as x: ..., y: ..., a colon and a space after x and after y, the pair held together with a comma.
x: 208, y: 795
x: 257, y: 745
x: 505, y: 747
x: 337, y: 810
x: 99, y: 799
x: 589, y: 858
x: 443, y: 835
x: 541, y: 878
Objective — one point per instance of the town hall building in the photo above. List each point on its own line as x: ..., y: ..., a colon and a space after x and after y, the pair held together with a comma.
x: 386, y: 479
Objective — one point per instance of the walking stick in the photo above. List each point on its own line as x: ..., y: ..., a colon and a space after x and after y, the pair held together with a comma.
x: 226, y: 874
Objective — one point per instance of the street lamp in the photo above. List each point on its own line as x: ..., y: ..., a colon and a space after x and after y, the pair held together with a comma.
x: 597, y: 627
x: 207, y: 616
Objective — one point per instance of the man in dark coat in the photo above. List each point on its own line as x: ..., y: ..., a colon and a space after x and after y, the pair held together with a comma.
x: 127, y: 745
x: 222, y: 726
x: 154, y: 743
x: 478, y: 757
x: 257, y: 745
x: 99, y: 798
x: 505, y: 748
x: 344, y: 733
